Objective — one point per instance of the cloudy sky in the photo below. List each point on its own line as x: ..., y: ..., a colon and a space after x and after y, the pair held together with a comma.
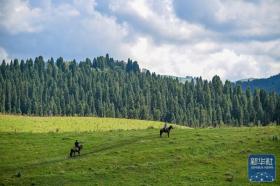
x: 234, y: 39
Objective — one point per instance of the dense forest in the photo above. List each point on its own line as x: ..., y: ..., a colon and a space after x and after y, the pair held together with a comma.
x: 106, y: 87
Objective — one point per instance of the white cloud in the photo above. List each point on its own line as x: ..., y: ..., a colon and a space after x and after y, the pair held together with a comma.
x: 200, y: 52
x: 17, y: 16
x: 104, y: 33
x: 250, y: 18
x: 257, y: 48
x: 74, y: 28
x: 151, y: 33
x: 85, y: 6
x: 159, y: 19
x: 229, y: 65
x: 205, y: 59
x: 4, y: 55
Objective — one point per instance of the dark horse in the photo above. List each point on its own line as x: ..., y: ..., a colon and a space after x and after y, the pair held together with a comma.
x: 75, y: 149
x: 166, y: 130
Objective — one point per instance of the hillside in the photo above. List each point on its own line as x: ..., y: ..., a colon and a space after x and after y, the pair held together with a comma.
x: 212, y: 156
x: 105, y: 87
x: 269, y: 84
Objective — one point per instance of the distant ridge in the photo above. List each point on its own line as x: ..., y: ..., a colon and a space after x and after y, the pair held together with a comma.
x: 246, y: 80
x: 269, y: 84
x: 181, y: 79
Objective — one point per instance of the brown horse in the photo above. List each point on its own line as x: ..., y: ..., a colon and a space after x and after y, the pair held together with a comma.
x: 165, y: 130
x: 75, y: 149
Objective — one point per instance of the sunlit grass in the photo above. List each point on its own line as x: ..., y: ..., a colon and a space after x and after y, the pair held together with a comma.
x: 11, y: 123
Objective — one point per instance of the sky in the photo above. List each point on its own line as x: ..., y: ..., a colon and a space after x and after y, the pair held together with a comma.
x: 235, y: 39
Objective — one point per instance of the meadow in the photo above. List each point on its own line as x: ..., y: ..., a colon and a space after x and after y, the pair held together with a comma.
x: 31, y: 124
x: 35, y: 151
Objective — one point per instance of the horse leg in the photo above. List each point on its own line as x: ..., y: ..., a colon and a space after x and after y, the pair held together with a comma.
x: 160, y: 133
x: 168, y: 134
x: 71, y: 153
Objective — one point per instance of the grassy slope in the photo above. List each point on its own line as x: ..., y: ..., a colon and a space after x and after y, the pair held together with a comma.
x: 10, y: 123
x: 133, y: 157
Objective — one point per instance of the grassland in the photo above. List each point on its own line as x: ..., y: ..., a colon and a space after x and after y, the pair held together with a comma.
x: 37, y: 154
x: 29, y: 124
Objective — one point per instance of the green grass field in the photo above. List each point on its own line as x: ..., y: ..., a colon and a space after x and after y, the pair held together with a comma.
x: 35, y: 151
x: 72, y: 124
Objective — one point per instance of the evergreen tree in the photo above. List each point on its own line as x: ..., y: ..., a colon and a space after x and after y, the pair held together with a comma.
x: 107, y: 88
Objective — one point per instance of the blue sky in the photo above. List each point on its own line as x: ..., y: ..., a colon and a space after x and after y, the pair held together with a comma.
x: 233, y: 39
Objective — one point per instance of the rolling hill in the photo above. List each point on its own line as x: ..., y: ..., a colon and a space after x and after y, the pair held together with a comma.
x: 269, y: 84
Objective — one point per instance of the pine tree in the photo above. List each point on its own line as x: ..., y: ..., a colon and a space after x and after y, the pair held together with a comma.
x: 107, y: 88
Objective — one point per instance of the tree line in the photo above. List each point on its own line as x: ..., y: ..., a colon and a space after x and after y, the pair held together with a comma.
x: 105, y: 87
